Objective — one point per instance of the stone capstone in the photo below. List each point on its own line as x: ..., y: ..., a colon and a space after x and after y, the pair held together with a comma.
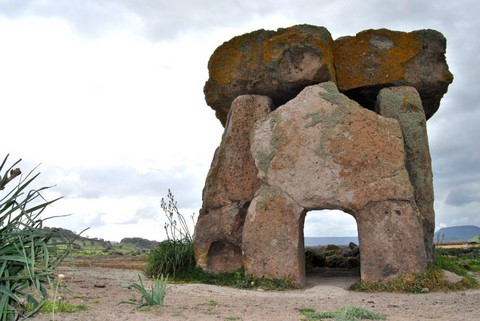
x: 375, y: 59
x: 229, y: 189
x: 278, y: 64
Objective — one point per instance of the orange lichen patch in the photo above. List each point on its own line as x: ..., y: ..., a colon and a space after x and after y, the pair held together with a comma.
x: 253, y: 53
x: 239, y: 52
x: 374, y: 57
x: 363, y: 137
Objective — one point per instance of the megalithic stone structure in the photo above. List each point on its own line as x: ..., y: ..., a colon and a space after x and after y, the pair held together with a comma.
x: 349, y: 133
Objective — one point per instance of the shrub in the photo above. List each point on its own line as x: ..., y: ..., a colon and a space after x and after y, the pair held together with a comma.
x: 173, y: 256
x: 26, y: 259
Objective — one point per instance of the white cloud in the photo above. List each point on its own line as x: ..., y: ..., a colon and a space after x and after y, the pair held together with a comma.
x: 326, y: 223
x: 108, y: 96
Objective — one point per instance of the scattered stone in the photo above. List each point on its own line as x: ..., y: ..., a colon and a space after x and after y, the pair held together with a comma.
x: 333, y: 247
x: 452, y: 277
x: 465, y: 265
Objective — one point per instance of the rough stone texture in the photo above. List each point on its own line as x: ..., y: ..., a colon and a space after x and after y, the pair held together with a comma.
x: 229, y: 188
x: 374, y: 59
x: 322, y: 150
x: 276, y: 64
x: 322, y: 147
x: 405, y: 105
x: 273, y: 243
x: 391, y: 240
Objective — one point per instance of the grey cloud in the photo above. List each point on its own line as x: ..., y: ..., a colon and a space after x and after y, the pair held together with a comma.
x: 454, y: 146
x: 117, y: 181
x: 97, y: 221
x: 463, y: 195
x: 167, y: 19
x: 157, y: 19
x: 144, y: 213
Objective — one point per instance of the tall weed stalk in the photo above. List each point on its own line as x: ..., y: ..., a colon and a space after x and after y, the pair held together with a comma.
x: 26, y: 260
x: 173, y: 256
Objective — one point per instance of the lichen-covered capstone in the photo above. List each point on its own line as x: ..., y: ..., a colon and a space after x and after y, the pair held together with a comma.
x: 375, y: 59
x: 278, y: 64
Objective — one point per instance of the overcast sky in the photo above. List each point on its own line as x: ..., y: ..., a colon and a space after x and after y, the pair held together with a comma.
x: 108, y: 96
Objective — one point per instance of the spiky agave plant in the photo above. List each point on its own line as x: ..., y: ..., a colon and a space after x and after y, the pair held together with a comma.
x: 26, y: 260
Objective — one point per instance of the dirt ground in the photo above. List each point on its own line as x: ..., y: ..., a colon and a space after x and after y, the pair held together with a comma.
x: 102, y: 285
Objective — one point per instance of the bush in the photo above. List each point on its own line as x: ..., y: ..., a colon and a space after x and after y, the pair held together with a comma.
x: 171, y: 257
x: 26, y: 260
x: 174, y: 256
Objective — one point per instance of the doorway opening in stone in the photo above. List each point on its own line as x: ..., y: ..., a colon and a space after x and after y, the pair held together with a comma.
x: 332, y: 246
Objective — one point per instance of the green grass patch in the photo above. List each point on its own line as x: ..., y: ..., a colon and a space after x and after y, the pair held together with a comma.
x: 433, y: 279
x: 59, y: 306
x: 474, y: 264
x: 236, y: 279
x: 213, y: 303
x: 461, y: 258
x: 343, y: 314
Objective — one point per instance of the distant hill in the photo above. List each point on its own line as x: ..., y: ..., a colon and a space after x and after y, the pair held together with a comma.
x: 62, y: 235
x: 456, y: 233
x: 139, y: 242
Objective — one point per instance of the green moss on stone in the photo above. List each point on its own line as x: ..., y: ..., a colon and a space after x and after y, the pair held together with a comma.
x: 264, y: 160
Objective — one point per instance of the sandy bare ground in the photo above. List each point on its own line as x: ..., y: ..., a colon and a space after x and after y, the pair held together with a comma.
x: 102, y: 289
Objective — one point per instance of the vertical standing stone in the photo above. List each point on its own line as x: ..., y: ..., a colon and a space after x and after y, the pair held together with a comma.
x: 404, y: 104
x: 273, y: 242
x: 391, y: 240
x: 229, y: 189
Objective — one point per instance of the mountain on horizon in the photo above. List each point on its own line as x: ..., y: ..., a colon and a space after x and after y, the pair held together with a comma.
x: 456, y: 233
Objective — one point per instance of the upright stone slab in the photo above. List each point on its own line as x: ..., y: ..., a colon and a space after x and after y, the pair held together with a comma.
x: 322, y: 150
x: 375, y: 59
x: 273, y: 243
x: 278, y: 64
x: 404, y: 104
x: 391, y: 240
x: 229, y: 189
